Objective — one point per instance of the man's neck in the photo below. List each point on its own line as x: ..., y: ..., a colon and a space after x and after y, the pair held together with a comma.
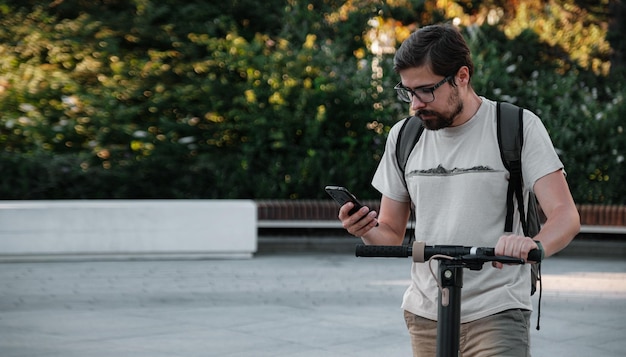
x: 470, y: 107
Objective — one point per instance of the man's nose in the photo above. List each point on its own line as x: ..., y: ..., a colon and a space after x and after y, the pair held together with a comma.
x: 416, y: 103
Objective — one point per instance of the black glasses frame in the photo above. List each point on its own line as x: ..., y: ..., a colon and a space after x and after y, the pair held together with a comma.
x: 405, y: 93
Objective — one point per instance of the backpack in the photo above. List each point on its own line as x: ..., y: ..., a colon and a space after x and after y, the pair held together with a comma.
x: 510, y: 140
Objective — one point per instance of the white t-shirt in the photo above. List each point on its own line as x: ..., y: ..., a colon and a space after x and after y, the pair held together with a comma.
x: 458, y: 184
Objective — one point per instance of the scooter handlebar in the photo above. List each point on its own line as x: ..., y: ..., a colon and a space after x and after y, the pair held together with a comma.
x: 420, y: 252
x: 383, y: 251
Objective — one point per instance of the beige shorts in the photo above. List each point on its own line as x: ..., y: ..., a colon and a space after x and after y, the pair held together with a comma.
x: 506, y: 334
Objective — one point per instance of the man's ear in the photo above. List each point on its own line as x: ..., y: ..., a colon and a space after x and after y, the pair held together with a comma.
x: 462, y: 76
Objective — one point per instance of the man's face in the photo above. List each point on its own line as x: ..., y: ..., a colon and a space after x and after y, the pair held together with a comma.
x: 447, y: 104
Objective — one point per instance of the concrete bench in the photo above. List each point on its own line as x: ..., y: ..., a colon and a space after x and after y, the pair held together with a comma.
x: 201, y: 228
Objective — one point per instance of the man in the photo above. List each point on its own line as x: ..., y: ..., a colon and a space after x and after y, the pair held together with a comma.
x: 459, y: 202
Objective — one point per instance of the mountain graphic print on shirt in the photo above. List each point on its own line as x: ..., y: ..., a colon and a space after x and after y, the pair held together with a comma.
x: 442, y: 171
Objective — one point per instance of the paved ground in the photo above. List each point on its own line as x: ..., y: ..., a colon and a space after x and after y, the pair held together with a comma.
x: 271, y: 305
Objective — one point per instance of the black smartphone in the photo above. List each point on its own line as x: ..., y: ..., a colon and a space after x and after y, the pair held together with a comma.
x: 341, y: 195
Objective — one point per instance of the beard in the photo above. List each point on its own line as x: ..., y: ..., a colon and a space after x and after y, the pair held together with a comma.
x: 442, y: 120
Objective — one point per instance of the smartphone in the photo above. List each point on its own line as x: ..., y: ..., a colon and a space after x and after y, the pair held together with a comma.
x: 341, y: 195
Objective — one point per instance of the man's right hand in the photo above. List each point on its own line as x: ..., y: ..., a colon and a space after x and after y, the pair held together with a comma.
x: 360, y: 222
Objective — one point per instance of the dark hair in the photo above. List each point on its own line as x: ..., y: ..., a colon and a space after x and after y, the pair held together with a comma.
x: 442, y: 47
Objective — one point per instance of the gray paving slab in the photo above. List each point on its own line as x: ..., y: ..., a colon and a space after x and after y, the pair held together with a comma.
x: 271, y: 305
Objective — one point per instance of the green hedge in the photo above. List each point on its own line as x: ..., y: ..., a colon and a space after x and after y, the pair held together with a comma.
x: 143, y: 99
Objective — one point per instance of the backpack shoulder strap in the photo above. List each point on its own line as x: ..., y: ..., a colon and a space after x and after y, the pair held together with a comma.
x: 408, y: 136
x: 510, y: 140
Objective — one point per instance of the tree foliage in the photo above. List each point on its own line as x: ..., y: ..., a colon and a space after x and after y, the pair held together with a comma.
x: 147, y: 99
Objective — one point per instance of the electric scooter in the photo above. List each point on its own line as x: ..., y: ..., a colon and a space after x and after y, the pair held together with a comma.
x: 452, y: 260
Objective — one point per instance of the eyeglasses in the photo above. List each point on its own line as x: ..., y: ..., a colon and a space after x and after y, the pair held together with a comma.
x: 423, y: 94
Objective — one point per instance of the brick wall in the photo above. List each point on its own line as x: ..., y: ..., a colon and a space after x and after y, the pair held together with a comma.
x: 602, y: 215
x: 325, y: 210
